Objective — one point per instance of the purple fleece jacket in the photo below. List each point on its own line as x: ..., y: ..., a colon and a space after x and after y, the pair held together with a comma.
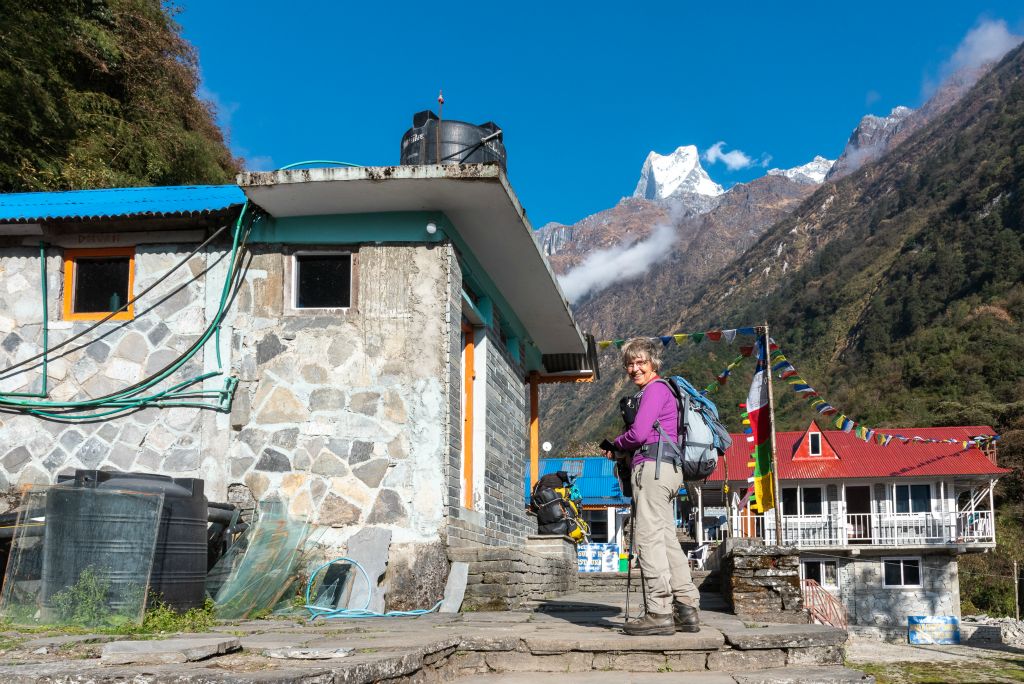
x: 656, y: 403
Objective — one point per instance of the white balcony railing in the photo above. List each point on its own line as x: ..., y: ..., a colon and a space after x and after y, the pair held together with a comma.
x: 871, y: 529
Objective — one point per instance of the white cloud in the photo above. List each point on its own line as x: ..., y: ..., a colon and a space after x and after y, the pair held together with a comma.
x: 986, y: 42
x: 606, y: 267
x: 734, y: 160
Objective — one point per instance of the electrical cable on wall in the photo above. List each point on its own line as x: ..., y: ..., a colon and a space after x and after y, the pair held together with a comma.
x: 129, y: 399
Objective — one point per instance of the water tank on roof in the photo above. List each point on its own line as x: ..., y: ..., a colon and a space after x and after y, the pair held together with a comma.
x: 461, y: 142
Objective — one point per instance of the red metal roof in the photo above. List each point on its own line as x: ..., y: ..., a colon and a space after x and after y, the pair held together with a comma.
x: 860, y: 459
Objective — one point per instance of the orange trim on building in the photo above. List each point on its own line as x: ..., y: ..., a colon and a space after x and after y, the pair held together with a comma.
x: 468, y: 378
x: 70, y: 258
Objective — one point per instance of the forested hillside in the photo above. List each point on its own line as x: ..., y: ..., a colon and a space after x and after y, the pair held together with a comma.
x: 101, y: 93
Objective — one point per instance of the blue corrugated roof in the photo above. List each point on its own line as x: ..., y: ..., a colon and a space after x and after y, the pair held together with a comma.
x: 177, y: 200
x: 595, y: 478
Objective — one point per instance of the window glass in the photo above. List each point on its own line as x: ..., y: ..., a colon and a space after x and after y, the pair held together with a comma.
x: 902, y: 499
x: 101, y: 284
x: 829, y: 574
x: 812, y: 571
x: 920, y: 498
x: 815, y: 444
x: 893, y: 572
x: 323, y: 281
x: 913, y: 498
x: 789, y: 506
x: 911, y: 572
x: 812, y: 500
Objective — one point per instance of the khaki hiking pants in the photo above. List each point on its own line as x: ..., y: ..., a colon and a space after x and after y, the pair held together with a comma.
x: 665, y: 567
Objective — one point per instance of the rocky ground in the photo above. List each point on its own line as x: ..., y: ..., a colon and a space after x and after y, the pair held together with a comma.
x: 577, y: 634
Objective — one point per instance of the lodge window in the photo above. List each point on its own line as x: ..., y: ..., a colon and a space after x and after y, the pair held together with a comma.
x: 802, y: 501
x: 98, y: 282
x: 814, y: 442
x: 789, y: 501
x: 825, y: 573
x: 901, y: 572
x: 812, y: 500
x: 322, y: 280
x: 913, y: 498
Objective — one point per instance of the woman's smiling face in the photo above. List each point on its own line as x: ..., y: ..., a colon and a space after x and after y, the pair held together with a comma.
x: 640, y: 370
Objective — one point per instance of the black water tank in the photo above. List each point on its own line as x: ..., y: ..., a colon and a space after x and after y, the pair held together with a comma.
x: 461, y: 142
x: 179, y: 563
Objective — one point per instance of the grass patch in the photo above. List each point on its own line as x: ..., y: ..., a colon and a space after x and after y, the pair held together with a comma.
x: 997, y: 669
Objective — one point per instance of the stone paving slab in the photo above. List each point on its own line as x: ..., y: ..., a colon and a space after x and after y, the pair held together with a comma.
x: 706, y: 640
x: 156, y: 651
x: 830, y: 675
x: 583, y: 637
x: 782, y: 636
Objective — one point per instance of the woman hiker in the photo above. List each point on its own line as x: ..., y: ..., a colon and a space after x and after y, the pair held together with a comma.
x: 672, y: 598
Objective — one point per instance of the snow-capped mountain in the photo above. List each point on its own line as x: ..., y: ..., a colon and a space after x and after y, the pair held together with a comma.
x: 679, y: 172
x: 870, y: 140
x: 813, y: 172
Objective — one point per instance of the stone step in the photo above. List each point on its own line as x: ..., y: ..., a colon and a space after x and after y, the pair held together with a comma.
x: 794, y: 675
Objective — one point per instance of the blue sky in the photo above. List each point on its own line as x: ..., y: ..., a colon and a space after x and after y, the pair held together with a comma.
x: 583, y: 91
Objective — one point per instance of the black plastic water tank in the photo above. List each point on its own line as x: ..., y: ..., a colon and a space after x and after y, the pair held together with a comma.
x: 179, y: 563
x: 461, y: 142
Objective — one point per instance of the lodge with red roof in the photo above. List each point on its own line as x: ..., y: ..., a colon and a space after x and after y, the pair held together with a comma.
x: 879, y: 527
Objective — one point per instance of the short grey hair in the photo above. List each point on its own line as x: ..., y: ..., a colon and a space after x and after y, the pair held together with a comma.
x: 642, y: 348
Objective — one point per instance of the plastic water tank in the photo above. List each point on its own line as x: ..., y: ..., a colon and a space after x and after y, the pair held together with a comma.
x: 461, y: 142
x: 179, y: 563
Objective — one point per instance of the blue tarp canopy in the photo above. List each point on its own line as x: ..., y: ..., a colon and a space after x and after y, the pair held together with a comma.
x: 118, y: 203
x: 595, y: 478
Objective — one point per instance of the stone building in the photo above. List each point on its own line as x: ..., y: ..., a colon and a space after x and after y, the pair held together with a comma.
x: 357, y: 342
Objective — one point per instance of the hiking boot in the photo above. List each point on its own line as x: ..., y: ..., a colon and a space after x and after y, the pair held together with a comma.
x: 649, y: 625
x: 687, y: 618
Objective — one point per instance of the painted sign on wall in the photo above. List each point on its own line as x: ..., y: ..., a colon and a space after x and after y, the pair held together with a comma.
x: 933, y: 629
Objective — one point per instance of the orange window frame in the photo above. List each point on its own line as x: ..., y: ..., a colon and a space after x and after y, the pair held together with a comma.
x: 71, y: 257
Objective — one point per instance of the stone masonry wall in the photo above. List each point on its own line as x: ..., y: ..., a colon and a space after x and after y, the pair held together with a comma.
x: 871, y: 604
x: 341, y: 414
x: 179, y: 441
x: 763, y: 583
x: 507, y: 578
x: 502, y: 519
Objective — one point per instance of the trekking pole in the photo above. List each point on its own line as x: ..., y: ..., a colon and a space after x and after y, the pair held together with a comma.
x: 632, y: 548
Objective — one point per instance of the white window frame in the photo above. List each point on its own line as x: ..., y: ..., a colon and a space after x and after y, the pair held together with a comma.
x: 910, y: 498
x: 810, y: 443
x: 824, y: 501
x: 293, y: 295
x: 920, y: 571
x: 821, y: 562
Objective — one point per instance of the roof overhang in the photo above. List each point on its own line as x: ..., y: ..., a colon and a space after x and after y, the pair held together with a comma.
x: 478, y: 201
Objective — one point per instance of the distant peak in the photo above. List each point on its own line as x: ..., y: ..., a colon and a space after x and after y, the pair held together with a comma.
x: 680, y: 171
x: 813, y: 172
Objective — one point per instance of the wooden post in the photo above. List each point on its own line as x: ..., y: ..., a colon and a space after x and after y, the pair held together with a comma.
x: 534, y: 428
x: 699, y: 527
x: 1016, y: 591
x: 777, y: 491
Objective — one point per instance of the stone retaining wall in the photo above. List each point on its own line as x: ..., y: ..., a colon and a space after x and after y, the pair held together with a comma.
x: 507, y: 578
x: 763, y: 583
x: 603, y: 582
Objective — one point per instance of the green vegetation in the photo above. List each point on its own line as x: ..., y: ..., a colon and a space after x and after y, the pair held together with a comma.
x: 102, y: 93
x: 990, y: 669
